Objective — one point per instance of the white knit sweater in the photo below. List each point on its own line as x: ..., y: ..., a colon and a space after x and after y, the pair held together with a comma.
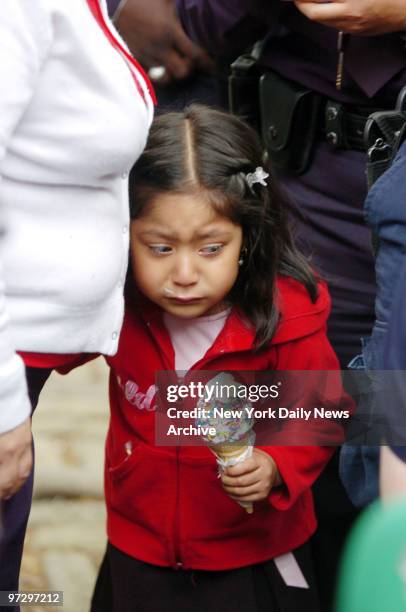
x: 71, y: 125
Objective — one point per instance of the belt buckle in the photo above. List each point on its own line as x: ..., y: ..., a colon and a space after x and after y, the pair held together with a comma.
x: 334, y: 124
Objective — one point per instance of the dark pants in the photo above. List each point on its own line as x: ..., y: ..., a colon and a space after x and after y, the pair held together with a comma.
x: 330, y: 227
x: 16, y: 510
x: 127, y: 585
x: 329, y: 218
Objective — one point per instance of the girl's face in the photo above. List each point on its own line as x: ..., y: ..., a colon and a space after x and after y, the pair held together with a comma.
x: 185, y: 255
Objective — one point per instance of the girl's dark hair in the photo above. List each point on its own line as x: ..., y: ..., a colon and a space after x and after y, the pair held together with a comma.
x: 208, y: 152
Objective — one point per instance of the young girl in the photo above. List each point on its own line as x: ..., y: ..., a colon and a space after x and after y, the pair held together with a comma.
x: 217, y: 284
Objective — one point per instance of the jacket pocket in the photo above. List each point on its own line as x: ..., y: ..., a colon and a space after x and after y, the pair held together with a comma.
x: 141, y: 488
x: 124, y: 465
x: 359, y: 457
x: 213, y: 515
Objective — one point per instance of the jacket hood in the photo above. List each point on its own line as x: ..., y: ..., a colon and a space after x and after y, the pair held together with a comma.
x: 299, y: 316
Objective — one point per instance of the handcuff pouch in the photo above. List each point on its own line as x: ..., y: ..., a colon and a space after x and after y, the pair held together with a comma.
x: 289, y: 121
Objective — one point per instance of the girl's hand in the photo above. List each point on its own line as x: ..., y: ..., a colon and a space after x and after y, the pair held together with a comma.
x: 368, y: 17
x: 253, y: 479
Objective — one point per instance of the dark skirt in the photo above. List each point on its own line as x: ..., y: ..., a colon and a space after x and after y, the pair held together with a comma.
x: 125, y: 584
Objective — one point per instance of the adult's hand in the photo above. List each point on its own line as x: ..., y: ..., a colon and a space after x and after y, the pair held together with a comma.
x: 15, y: 458
x: 154, y: 34
x: 362, y: 17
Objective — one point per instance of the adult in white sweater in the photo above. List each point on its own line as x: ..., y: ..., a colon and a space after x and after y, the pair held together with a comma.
x: 74, y: 116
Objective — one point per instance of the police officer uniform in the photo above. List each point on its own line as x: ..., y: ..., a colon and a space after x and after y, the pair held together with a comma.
x: 351, y: 77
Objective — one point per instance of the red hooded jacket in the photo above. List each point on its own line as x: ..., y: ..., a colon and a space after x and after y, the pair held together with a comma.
x: 166, y: 505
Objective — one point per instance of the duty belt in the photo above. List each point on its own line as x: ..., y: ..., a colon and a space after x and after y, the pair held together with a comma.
x: 344, y: 126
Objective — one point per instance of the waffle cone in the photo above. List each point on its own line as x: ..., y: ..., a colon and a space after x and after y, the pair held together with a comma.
x: 229, y: 451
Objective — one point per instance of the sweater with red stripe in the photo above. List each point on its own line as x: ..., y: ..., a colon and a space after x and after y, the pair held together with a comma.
x: 165, y: 504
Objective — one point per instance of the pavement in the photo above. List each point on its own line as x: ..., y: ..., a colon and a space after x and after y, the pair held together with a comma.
x: 66, y: 533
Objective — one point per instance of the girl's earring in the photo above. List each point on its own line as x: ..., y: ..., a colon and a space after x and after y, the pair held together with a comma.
x: 242, y: 255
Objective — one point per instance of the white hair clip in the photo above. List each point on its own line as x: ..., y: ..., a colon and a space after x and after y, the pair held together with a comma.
x: 258, y: 176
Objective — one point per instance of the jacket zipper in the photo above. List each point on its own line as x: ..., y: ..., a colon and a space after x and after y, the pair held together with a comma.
x: 177, y: 553
x: 177, y: 547
x: 177, y: 563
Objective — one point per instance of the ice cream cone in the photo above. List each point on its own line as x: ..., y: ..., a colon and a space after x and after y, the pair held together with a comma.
x: 228, y: 454
x: 234, y: 437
